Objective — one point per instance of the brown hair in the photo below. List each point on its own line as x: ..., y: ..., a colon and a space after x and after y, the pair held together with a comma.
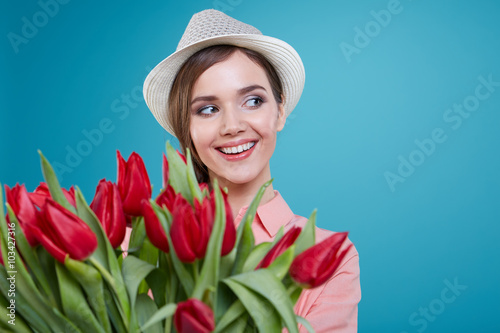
x: 180, y: 95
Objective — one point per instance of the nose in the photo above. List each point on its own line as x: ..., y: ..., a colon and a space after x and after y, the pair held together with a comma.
x: 232, y: 122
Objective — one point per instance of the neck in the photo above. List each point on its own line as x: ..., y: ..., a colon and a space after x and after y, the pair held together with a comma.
x: 241, y: 195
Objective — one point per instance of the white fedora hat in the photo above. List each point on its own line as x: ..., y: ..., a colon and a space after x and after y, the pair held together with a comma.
x: 211, y: 27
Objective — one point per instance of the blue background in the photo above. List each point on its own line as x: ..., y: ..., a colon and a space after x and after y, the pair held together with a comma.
x: 359, y: 116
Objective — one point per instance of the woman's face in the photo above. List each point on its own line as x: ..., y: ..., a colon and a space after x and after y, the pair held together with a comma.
x: 234, y: 121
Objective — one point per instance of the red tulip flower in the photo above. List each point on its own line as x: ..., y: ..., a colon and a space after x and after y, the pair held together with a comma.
x: 167, y: 198
x: 107, y: 206
x: 63, y: 233
x: 24, y: 209
x: 281, y: 246
x: 182, y: 157
x: 194, y: 316
x: 165, y: 171
x: 204, y: 187
x: 42, y: 192
x: 154, y: 229
x: 229, y: 230
x: 317, y: 264
x: 189, y: 232
x: 133, y: 183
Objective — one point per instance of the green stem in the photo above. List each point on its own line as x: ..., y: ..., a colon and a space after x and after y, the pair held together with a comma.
x: 196, y: 273
x: 122, y: 303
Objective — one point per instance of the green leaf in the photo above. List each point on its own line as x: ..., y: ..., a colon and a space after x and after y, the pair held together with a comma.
x: 263, y: 282
x: 177, y: 173
x: 226, y: 264
x: 23, y: 306
x: 293, y: 290
x: 209, y: 276
x: 138, y: 234
x: 306, y: 324
x: 263, y: 313
x: 307, y: 236
x: 17, y: 322
x: 184, y: 277
x: 278, y: 236
x: 157, y: 280
x: 48, y: 264
x: 54, y: 187
x: 91, y: 281
x: 244, y: 247
x: 244, y: 234
x: 74, y: 304
x: 115, y: 314
x: 191, y: 177
x: 104, y: 258
x: 236, y: 310
x: 250, y: 213
x: 87, y: 215
x: 225, y: 299
x: 149, y: 253
x: 26, y: 290
x: 118, y: 293
x: 144, y: 307
x: 255, y: 257
x: 134, y: 271
x: 238, y: 325
x: 281, y: 265
x: 30, y: 258
x: 164, y: 312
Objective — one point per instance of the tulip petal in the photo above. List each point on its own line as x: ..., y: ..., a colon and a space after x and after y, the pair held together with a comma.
x: 154, y: 229
x: 185, y: 231
x: 24, y: 209
x: 107, y: 206
x: 49, y: 245
x: 67, y: 231
x: 133, y: 183
x: 194, y: 316
x: 281, y: 246
x: 229, y: 239
x: 317, y: 264
x: 165, y: 171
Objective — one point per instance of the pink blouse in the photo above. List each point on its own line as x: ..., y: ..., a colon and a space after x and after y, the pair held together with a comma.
x: 331, y: 307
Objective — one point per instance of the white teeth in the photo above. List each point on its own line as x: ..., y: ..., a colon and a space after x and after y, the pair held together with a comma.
x: 238, y: 149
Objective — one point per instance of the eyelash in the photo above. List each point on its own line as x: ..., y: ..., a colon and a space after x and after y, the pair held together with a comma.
x: 260, y: 101
x: 257, y: 98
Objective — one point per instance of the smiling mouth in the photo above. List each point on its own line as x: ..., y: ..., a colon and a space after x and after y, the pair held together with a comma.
x: 236, y: 149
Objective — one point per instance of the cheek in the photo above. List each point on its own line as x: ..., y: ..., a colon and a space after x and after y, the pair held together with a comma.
x: 267, y: 128
x: 196, y: 138
x: 201, y: 137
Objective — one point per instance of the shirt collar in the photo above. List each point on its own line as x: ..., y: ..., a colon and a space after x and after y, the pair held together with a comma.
x: 272, y: 214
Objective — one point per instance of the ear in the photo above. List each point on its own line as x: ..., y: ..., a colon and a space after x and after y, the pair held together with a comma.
x: 281, y: 115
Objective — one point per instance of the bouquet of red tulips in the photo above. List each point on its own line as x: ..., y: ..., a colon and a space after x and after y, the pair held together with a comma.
x: 186, y: 268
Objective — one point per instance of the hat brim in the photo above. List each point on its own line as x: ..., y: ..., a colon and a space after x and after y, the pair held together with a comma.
x: 281, y: 55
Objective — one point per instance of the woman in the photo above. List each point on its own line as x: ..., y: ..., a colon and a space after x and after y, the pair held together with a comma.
x: 225, y: 93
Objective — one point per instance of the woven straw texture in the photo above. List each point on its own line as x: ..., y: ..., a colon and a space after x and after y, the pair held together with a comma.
x: 211, y: 27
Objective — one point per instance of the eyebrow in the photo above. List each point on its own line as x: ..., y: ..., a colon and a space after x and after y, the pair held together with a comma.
x: 242, y: 91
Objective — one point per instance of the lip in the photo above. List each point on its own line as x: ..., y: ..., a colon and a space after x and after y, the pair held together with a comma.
x: 235, y: 143
x: 240, y: 156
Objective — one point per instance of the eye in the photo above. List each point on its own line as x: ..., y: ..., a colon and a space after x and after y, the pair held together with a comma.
x: 207, y: 110
x: 254, y: 102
